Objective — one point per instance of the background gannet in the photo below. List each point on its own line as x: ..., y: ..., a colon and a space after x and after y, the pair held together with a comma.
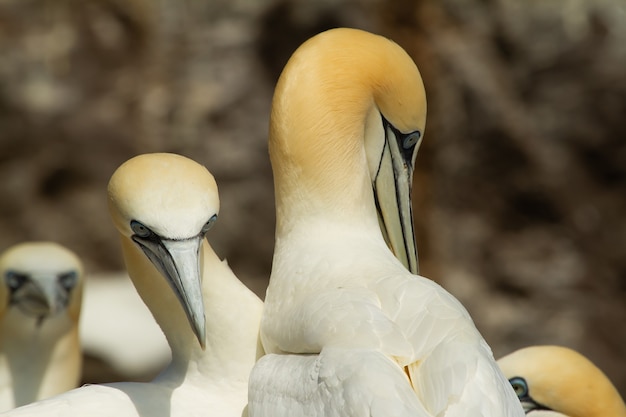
x: 40, y: 303
x: 163, y: 205
x: 556, y: 379
x: 347, y: 118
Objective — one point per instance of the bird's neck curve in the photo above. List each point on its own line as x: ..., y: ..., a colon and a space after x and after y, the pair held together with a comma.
x: 232, y: 312
x: 317, y: 150
x: 233, y: 318
x: 332, y: 87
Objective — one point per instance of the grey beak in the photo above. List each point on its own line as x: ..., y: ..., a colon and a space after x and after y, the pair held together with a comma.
x: 179, y: 262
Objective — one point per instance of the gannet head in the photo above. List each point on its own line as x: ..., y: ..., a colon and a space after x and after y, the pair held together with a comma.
x: 348, y: 115
x: 562, y: 380
x: 41, y: 280
x: 165, y: 203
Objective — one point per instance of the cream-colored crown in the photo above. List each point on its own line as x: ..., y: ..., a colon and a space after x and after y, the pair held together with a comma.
x: 151, y: 181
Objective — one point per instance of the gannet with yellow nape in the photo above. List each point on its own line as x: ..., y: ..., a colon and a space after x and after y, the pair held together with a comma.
x: 555, y: 380
x: 163, y: 205
x: 348, y: 329
x: 40, y: 303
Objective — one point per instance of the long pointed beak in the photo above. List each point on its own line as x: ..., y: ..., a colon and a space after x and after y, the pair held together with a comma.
x: 49, y: 294
x: 179, y: 262
x: 392, y: 192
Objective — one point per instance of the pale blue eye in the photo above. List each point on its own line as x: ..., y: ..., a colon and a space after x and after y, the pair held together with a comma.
x: 411, y: 140
x: 209, y: 224
x: 139, y: 229
x: 519, y: 386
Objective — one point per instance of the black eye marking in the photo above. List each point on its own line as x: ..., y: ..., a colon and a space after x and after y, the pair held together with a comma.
x: 139, y: 229
x: 406, y: 142
x: 519, y: 386
x: 15, y: 280
x: 208, y: 224
x: 68, y: 280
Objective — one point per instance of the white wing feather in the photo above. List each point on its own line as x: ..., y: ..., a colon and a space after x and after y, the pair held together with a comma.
x: 136, y: 399
x: 92, y: 400
x: 453, y: 371
x: 327, y: 315
x: 411, y: 322
x: 335, y: 383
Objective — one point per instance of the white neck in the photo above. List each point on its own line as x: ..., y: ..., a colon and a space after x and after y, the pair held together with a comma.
x: 48, y: 353
x: 349, y: 248
x: 232, y: 311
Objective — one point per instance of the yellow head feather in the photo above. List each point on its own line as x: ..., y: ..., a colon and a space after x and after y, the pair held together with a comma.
x: 322, y: 101
x: 134, y: 192
x: 565, y: 381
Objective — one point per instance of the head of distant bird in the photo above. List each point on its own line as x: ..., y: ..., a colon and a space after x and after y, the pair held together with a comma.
x: 165, y: 204
x: 562, y: 380
x: 343, y: 94
x: 41, y: 280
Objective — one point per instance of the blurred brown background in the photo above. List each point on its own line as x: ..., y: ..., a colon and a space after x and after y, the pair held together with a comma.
x: 521, y: 184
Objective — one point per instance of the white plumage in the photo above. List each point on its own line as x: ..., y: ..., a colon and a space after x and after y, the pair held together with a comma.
x: 349, y: 330
x: 40, y: 304
x: 162, y: 205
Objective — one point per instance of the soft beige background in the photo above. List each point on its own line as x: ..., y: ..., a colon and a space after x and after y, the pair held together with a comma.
x: 521, y: 184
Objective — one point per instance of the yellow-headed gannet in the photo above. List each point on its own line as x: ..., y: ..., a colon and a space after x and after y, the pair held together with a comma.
x: 349, y: 331
x: 558, y: 381
x: 163, y: 205
x: 40, y: 301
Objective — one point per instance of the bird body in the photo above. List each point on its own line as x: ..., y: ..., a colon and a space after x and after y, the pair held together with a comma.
x: 342, y: 309
x: 163, y: 204
x: 41, y: 296
x: 558, y: 381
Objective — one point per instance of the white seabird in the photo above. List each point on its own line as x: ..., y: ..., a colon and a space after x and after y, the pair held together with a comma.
x: 163, y: 205
x: 40, y: 304
x: 348, y: 329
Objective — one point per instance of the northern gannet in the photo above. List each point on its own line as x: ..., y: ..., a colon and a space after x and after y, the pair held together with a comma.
x: 163, y: 205
x: 348, y: 329
x: 40, y: 303
x: 558, y: 381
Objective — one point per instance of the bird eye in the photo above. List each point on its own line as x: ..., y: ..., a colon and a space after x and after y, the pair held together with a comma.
x: 411, y: 140
x: 209, y: 224
x: 139, y: 229
x: 68, y: 280
x: 519, y: 386
x: 15, y: 280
